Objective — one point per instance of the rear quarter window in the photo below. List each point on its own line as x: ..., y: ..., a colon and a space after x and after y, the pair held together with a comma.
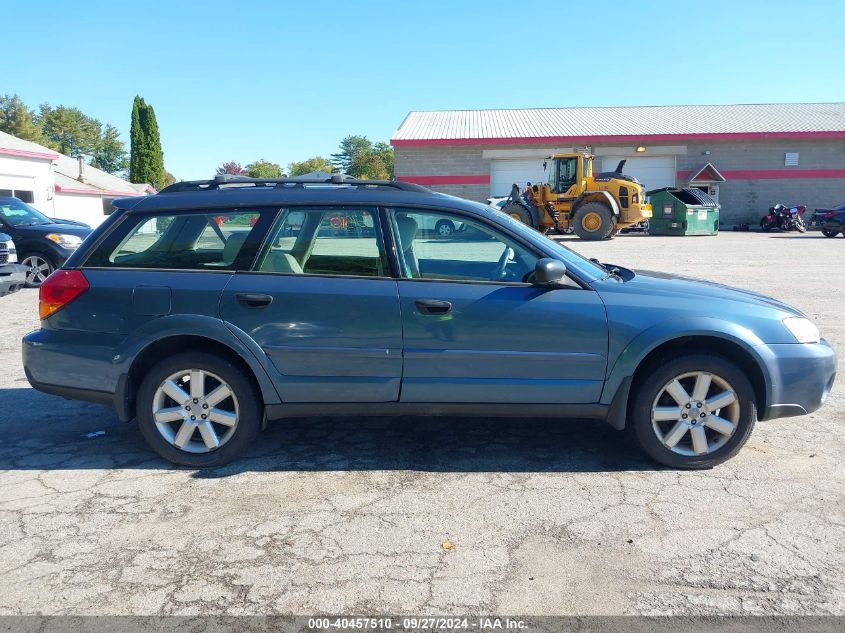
x: 181, y: 241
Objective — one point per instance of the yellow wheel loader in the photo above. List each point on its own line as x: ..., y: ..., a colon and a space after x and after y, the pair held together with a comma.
x: 572, y: 199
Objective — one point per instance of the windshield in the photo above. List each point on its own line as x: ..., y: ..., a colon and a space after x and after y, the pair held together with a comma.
x: 18, y: 213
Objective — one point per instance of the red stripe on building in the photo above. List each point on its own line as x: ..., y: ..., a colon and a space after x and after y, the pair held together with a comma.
x: 447, y: 180
x: 98, y: 192
x: 25, y: 153
x: 625, y: 138
x: 772, y: 174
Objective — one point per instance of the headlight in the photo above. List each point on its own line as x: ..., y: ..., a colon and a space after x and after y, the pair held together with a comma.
x: 65, y: 241
x: 802, y: 329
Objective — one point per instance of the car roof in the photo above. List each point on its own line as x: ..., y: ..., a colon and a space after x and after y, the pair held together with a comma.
x: 323, y: 195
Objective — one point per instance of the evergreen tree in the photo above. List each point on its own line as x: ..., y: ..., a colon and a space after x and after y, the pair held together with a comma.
x: 110, y: 154
x: 136, y: 141
x: 18, y: 120
x: 146, y: 160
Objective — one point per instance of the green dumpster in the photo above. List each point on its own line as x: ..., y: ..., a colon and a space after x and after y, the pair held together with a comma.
x: 683, y: 212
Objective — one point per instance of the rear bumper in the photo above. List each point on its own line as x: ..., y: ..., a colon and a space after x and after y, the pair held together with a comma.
x: 801, y: 377
x: 76, y: 365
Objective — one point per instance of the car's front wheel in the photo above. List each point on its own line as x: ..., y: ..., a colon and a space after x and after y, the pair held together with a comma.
x: 198, y: 409
x: 444, y: 228
x: 695, y: 411
x: 39, y: 267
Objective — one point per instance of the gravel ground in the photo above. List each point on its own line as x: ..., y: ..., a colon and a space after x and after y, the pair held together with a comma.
x: 446, y: 516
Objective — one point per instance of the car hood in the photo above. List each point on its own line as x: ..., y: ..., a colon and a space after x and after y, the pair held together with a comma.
x: 656, y: 282
x: 80, y: 230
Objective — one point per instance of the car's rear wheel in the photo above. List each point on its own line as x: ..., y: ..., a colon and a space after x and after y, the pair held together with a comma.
x: 829, y: 233
x: 39, y: 267
x: 198, y: 409
x: 696, y: 411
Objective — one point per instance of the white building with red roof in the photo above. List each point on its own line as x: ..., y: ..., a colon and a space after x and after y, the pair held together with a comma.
x: 58, y: 185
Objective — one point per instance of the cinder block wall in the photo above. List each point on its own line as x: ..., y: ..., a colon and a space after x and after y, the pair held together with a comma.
x: 748, y: 200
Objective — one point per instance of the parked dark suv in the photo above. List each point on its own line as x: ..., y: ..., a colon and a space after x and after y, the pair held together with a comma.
x: 205, y: 309
x: 43, y: 243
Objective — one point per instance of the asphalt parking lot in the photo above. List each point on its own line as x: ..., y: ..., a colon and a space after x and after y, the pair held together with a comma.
x: 435, y: 516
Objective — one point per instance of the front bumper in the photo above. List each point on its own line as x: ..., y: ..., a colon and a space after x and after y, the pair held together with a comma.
x: 800, y: 378
x: 12, y: 278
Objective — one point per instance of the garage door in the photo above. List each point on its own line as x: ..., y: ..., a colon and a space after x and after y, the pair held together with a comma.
x: 653, y: 171
x: 503, y: 173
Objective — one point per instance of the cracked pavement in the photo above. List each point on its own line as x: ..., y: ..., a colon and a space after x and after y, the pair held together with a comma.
x: 351, y: 515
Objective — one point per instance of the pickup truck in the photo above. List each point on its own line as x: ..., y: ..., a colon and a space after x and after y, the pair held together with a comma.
x: 12, y: 274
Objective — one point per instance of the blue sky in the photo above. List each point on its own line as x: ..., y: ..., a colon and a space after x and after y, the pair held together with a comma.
x: 286, y: 81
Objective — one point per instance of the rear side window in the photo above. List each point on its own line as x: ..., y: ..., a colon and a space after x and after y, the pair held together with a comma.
x: 180, y: 241
x: 325, y: 241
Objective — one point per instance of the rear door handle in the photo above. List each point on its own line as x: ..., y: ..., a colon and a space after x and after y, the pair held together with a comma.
x: 433, y: 306
x: 253, y: 300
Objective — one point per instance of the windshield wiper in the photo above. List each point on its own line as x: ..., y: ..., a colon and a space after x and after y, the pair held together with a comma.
x: 612, y: 271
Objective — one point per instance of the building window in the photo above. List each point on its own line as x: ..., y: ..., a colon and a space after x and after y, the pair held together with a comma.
x: 790, y: 159
x: 21, y: 194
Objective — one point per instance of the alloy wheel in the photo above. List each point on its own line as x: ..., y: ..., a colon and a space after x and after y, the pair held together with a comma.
x: 38, y: 269
x: 195, y: 410
x: 695, y: 413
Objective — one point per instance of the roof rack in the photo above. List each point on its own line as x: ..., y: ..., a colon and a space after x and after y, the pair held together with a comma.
x: 338, y: 180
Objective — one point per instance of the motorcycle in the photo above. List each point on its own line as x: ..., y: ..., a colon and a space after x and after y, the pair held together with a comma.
x: 784, y: 218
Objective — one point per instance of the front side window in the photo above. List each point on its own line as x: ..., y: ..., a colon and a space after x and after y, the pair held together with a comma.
x: 568, y: 173
x: 180, y: 241
x: 474, y: 251
x: 325, y: 241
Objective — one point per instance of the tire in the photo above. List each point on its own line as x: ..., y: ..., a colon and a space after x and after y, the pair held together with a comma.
x: 800, y: 226
x: 245, y: 403
x: 829, y: 233
x: 725, y: 377
x: 519, y: 213
x: 593, y: 221
x: 40, y: 267
x: 444, y: 228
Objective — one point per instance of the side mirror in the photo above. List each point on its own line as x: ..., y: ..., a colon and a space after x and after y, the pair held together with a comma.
x: 549, y: 272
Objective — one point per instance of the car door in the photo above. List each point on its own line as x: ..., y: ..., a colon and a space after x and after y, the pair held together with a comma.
x: 476, y: 330
x: 321, y: 303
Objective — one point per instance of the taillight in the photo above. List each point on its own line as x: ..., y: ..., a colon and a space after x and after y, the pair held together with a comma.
x: 59, y: 289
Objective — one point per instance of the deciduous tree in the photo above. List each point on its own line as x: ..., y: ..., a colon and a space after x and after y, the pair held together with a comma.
x: 263, y: 169
x: 317, y: 163
x: 231, y: 167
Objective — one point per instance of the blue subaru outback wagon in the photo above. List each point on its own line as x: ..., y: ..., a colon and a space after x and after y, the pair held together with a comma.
x: 216, y: 305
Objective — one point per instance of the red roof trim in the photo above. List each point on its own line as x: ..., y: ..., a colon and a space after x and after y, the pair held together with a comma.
x: 98, y: 192
x: 625, y: 138
x: 773, y: 174
x: 25, y: 153
x: 483, y: 179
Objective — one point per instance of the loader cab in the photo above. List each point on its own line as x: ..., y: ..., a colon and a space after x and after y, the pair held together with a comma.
x: 565, y: 170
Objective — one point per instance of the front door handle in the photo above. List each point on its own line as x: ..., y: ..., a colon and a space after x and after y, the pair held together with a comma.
x: 433, y: 306
x: 253, y: 300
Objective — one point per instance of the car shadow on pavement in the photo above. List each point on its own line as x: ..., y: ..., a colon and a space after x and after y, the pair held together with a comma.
x: 42, y: 432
